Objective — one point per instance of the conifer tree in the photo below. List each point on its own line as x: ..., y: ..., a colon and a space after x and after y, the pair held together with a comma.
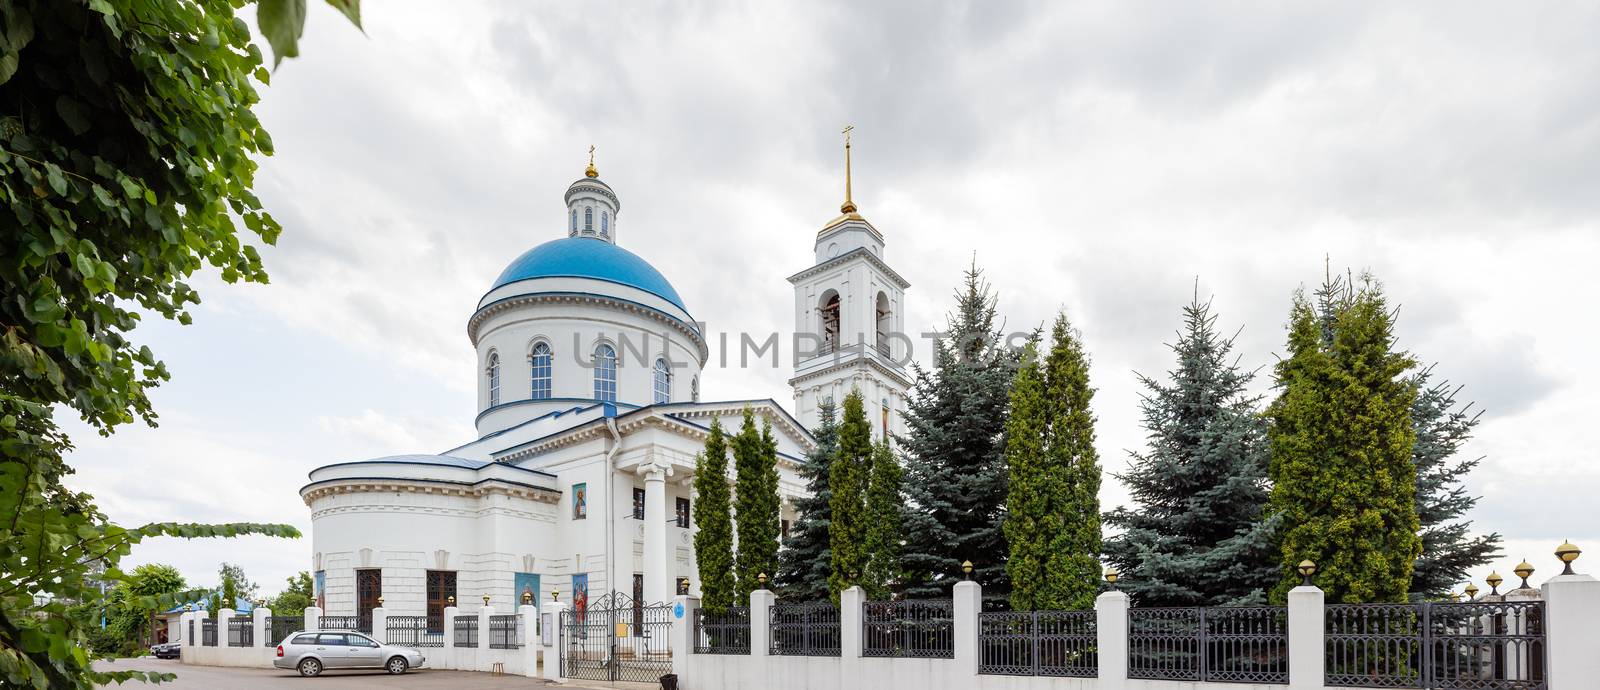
x: 885, y: 526
x: 1343, y: 480
x: 1198, y: 534
x: 755, y: 462
x: 713, y: 542
x: 1449, y: 550
x: 848, y: 479
x: 955, y: 473
x: 804, y: 562
x: 1052, y: 521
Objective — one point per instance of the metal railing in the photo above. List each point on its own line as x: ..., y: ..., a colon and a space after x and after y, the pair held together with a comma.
x: 336, y: 622
x: 241, y: 631
x: 466, y: 631
x: 407, y: 631
x: 1442, y: 646
x: 1164, y: 643
x: 912, y: 628
x: 722, y: 633
x: 364, y: 622
x: 503, y: 631
x: 808, y: 629
x: 279, y: 627
x: 208, y: 632
x: 190, y: 639
x: 1039, y: 643
x: 1248, y: 644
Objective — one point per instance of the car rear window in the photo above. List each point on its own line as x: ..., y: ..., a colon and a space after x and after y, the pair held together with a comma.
x: 304, y: 639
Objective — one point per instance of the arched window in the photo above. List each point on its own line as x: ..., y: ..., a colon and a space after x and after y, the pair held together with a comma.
x: 574, y: 220
x: 605, y: 373
x: 663, y: 382
x: 830, y: 322
x: 588, y: 220
x: 493, y: 370
x: 540, y: 359
x: 884, y: 324
x: 605, y: 224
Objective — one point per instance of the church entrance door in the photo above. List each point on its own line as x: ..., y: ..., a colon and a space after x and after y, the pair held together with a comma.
x: 617, y: 638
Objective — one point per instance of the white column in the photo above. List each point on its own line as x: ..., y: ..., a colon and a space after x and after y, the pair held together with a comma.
x: 260, y: 627
x: 850, y: 605
x: 683, y: 607
x: 968, y: 603
x: 1111, y: 626
x: 312, y: 615
x: 223, y: 616
x: 657, y: 570
x: 450, y: 626
x: 183, y: 628
x: 761, y: 602
x: 380, y: 624
x: 551, y: 615
x: 483, y: 626
x: 1518, y: 656
x: 529, y: 618
x: 1307, y: 651
x: 1571, y: 609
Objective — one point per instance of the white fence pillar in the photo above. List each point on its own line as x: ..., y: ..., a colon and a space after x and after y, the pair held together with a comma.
x: 380, y: 624
x: 550, y: 640
x: 1572, y: 631
x: 313, y: 616
x: 1111, y: 626
x: 850, y: 612
x: 761, y: 602
x: 261, y: 626
x: 528, y: 619
x: 682, y: 642
x: 968, y: 603
x: 450, y: 626
x: 223, y: 628
x: 484, y: 614
x: 1307, y: 654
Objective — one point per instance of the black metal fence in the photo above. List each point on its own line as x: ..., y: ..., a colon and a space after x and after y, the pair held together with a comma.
x: 466, y: 631
x: 190, y: 640
x: 806, y: 629
x: 722, y: 633
x: 208, y: 632
x: 1443, y: 646
x: 407, y: 631
x: 1040, y: 643
x: 279, y: 627
x: 241, y: 631
x: 1233, y: 644
x: 912, y: 628
x: 336, y: 622
x: 364, y: 622
x: 503, y: 631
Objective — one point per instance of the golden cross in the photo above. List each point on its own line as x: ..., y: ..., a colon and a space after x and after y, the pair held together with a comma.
x: 846, y: 133
x: 591, y: 154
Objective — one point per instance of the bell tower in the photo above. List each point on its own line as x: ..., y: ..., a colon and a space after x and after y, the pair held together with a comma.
x: 850, y: 322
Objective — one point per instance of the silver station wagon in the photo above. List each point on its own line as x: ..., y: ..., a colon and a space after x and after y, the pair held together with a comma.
x: 312, y: 651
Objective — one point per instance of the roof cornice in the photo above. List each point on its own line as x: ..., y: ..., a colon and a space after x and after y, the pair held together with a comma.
x: 443, y: 487
x: 846, y: 257
x: 505, y: 304
x: 898, y: 376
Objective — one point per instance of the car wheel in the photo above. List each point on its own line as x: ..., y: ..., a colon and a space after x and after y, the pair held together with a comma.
x: 397, y: 666
x: 310, y: 668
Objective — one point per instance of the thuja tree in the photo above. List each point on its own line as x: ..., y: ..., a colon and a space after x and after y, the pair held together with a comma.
x: 755, y: 463
x: 713, y: 542
x: 127, y: 161
x: 1197, y: 534
x: 848, y: 478
x: 1052, y: 520
x: 885, y: 509
x: 1343, y: 480
x: 804, y: 562
x: 1449, y: 548
x: 955, y: 475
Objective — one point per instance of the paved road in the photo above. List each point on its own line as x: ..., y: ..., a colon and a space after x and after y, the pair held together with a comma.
x: 214, y: 677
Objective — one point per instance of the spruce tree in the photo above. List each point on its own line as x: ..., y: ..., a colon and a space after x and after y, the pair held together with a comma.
x: 1052, y: 521
x: 1449, y: 549
x: 713, y: 542
x: 955, y: 472
x: 1198, y: 534
x: 885, y: 526
x: 1343, y: 480
x: 804, y: 562
x: 848, y: 479
x: 755, y: 463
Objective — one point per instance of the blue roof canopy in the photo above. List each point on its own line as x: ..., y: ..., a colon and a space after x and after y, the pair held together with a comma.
x: 586, y: 257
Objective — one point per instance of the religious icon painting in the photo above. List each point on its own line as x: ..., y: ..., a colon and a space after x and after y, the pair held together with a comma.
x: 580, y: 501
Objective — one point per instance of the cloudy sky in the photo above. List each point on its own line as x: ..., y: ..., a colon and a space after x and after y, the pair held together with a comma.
x: 1098, y: 158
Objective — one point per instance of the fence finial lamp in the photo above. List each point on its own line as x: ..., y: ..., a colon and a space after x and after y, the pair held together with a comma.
x: 1307, y: 569
x: 188, y: 607
x: 1494, y: 581
x: 485, y: 600
x: 1524, y: 570
x: 380, y: 601
x: 966, y: 570
x: 451, y: 600
x: 762, y: 579
x: 555, y: 595
x: 1111, y: 576
x: 527, y: 598
x: 1472, y: 591
x: 1568, y: 553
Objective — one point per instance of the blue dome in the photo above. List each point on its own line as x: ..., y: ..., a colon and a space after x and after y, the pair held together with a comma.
x: 585, y: 257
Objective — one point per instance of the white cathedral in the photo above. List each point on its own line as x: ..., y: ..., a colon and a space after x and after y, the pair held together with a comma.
x: 589, y: 418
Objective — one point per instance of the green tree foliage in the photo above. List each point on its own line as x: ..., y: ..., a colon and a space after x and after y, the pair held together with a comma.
x: 1052, y: 520
x: 755, y: 466
x: 955, y: 472
x: 1343, y: 480
x: 295, y: 597
x: 127, y: 159
x: 1199, y: 534
x: 129, y: 611
x: 804, y: 562
x: 713, y: 543
x: 885, y: 528
x: 847, y: 480
x: 1449, y: 549
x: 232, y: 586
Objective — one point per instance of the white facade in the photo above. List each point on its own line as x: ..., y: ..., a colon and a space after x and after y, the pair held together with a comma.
x: 568, y: 446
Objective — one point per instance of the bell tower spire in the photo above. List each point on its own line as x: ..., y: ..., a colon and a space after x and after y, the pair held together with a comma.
x: 848, y: 206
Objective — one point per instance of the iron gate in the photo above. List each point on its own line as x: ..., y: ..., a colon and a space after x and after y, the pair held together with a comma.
x: 616, y: 638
